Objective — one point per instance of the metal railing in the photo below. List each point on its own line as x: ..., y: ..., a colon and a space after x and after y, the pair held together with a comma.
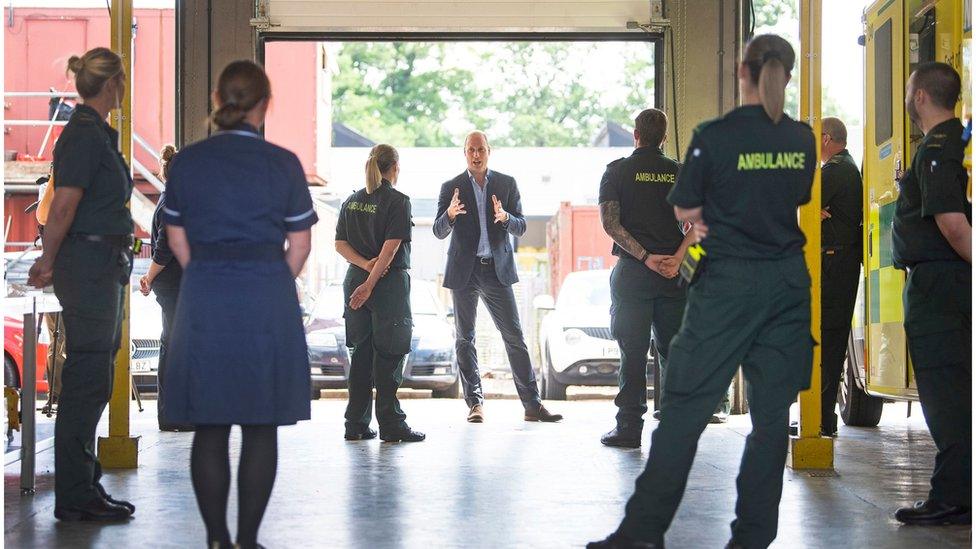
x: 142, y: 206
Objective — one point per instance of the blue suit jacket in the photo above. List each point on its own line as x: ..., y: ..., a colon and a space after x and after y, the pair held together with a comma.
x: 466, y: 230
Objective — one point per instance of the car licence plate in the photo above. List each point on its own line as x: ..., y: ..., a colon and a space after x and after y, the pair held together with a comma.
x: 316, y: 370
x: 611, y: 351
x: 140, y: 366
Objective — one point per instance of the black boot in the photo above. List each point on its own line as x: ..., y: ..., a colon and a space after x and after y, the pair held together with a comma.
x: 620, y: 541
x: 934, y: 513
x: 107, y: 497
x: 622, y: 437
x: 402, y: 434
x: 96, y: 510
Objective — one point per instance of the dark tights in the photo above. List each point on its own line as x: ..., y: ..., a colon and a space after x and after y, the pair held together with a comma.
x: 210, y: 470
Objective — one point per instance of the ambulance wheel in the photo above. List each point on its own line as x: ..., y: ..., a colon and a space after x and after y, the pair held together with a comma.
x: 857, y: 408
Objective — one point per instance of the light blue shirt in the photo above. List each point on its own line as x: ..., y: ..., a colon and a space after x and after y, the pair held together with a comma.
x: 481, y: 197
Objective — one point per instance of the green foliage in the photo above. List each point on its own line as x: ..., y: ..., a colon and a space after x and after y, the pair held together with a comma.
x: 398, y: 92
x: 523, y: 94
x: 769, y: 12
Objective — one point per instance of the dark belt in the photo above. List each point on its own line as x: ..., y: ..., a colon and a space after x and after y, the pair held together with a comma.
x: 124, y: 240
x: 485, y: 260
x: 237, y: 252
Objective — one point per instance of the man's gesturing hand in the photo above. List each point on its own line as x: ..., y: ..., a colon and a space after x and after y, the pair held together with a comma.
x: 501, y: 216
x: 457, y: 207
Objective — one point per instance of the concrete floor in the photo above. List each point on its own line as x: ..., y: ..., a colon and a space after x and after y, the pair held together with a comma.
x: 505, y: 483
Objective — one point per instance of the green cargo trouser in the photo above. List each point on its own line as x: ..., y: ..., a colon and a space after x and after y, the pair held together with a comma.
x: 748, y: 312
x: 89, y: 280
x: 640, y: 301
x: 938, y: 322
x: 379, y: 335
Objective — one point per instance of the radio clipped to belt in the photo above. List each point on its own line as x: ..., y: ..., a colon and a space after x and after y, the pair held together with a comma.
x: 691, y: 264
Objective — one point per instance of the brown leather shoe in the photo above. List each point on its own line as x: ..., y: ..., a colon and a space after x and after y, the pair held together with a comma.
x: 542, y: 415
x: 476, y: 415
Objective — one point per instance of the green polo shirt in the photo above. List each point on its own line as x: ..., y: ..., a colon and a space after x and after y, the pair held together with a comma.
x: 935, y: 183
x: 748, y: 175
x: 86, y: 156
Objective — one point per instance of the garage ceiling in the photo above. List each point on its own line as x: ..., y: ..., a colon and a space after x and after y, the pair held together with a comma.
x: 508, y: 16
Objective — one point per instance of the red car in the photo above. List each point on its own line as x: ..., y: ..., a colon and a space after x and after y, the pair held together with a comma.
x: 13, y: 355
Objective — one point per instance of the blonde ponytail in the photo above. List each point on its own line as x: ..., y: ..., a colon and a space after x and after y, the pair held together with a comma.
x: 381, y: 159
x: 770, y: 60
x: 373, y: 175
x: 772, y: 88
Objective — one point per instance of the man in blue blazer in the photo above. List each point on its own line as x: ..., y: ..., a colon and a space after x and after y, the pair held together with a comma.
x: 480, y: 263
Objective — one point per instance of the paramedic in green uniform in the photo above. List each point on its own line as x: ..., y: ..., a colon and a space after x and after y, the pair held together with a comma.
x: 932, y: 237
x: 648, y: 241
x: 88, y: 256
x: 840, y: 244
x: 744, y: 177
x: 373, y: 235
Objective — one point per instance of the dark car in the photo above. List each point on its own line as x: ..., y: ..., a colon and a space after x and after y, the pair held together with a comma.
x: 430, y: 364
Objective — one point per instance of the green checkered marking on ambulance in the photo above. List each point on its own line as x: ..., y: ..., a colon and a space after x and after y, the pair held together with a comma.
x: 886, y: 216
x: 875, y: 296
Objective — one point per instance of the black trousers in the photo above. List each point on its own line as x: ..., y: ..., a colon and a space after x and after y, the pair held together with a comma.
x: 379, y: 334
x: 753, y: 313
x: 500, y: 301
x: 167, y: 298
x: 841, y: 268
x: 641, y: 301
x: 938, y: 322
x: 89, y: 280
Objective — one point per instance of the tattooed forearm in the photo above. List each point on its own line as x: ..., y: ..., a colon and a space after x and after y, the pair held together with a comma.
x: 610, y: 216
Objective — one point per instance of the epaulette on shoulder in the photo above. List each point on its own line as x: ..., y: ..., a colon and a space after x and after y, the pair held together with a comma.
x: 706, y: 124
x: 936, y: 140
x: 85, y: 119
x: 615, y: 162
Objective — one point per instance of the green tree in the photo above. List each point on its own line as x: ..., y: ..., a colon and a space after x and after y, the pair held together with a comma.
x: 399, y: 92
x: 547, y: 106
x: 404, y: 92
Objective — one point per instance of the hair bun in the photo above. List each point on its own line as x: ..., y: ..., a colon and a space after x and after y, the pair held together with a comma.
x: 167, y: 153
x: 76, y: 64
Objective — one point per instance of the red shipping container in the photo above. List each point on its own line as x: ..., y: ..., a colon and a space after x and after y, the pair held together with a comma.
x: 576, y: 242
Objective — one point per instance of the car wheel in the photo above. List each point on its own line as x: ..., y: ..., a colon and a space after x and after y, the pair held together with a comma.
x: 451, y: 391
x: 553, y: 389
x: 10, y: 377
x: 857, y: 408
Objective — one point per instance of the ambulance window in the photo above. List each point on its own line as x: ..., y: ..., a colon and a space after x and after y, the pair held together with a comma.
x: 882, y: 84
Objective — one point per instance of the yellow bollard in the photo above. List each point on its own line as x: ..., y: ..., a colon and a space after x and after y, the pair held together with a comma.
x: 809, y: 450
x: 119, y: 450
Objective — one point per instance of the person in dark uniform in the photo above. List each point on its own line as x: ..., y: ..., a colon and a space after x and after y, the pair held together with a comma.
x: 373, y: 235
x: 932, y: 238
x: 481, y: 263
x: 163, y: 279
x: 87, y: 252
x: 649, y: 243
x: 841, y: 213
x: 744, y: 177
x: 238, y: 217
